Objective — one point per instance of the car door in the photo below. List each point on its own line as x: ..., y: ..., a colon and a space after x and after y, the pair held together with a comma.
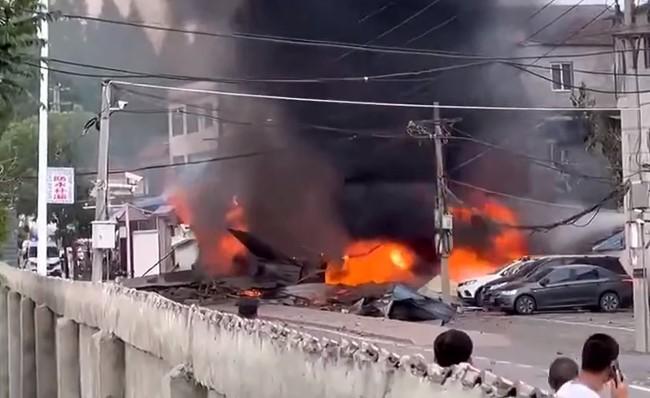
x: 583, y: 290
x: 553, y: 292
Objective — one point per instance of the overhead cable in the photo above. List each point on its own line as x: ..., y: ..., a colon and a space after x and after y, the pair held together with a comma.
x: 542, y: 8
x: 364, y: 103
x: 555, y: 20
x: 325, y: 43
x: 394, y: 28
x: 510, y: 196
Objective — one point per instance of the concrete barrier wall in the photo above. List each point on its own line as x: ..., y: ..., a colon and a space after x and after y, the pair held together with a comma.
x: 134, y: 344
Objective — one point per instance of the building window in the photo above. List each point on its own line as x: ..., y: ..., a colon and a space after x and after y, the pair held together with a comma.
x: 192, y: 120
x: 177, y: 121
x: 209, y: 116
x: 562, y: 76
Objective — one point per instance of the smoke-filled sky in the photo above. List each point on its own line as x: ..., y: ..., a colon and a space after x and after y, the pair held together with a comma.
x: 327, y: 185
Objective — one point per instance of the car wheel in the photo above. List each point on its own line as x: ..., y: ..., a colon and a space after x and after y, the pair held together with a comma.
x: 525, y: 305
x: 609, y: 302
x: 479, y: 297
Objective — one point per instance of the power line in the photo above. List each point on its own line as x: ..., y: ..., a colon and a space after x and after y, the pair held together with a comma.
x: 433, y: 29
x: 232, y: 80
x: 323, y: 43
x: 364, y: 103
x: 573, y: 86
x: 575, y: 33
x: 555, y: 20
x: 542, y: 8
x: 384, y: 77
x: 510, y: 196
x: 394, y: 28
x: 375, y: 12
x: 538, y: 161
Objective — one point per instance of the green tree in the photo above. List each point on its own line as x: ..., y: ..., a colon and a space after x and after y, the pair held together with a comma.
x: 603, y: 133
x: 67, y: 148
x: 18, y: 46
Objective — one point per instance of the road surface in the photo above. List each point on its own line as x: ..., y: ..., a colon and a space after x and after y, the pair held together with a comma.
x: 515, y: 347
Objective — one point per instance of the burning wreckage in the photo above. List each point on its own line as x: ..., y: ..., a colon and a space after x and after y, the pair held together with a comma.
x: 378, y: 277
x: 268, y: 276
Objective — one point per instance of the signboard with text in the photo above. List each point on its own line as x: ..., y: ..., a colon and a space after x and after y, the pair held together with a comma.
x: 60, y: 185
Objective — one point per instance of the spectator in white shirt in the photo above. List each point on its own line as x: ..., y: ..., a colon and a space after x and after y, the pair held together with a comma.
x: 598, y: 371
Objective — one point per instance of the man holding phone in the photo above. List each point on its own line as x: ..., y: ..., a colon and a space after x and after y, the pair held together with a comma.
x: 599, y: 373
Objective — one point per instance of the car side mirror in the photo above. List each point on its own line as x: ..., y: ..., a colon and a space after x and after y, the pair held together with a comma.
x: 544, y: 282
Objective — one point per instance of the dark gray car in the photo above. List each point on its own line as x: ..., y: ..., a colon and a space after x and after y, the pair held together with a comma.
x: 572, y: 286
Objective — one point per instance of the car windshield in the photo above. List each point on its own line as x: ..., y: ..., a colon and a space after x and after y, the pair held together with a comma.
x: 508, y: 269
x: 539, y: 274
x: 527, y: 268
x: 51, y: 252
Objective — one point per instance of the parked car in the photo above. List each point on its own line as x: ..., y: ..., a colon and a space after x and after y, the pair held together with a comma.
x: 526, y: 269
x: 565, y: 286
x: 470, y: 291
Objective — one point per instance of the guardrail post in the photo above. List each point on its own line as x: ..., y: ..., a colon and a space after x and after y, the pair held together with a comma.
x: 109, y: 369
x: 45, y: 353
x: 4, y: 344
x: 13, y: 338
x: 67, y: 359
x: 180, y: 383
x: 27, y: 349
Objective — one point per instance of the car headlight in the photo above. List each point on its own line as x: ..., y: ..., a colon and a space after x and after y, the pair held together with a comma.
x: 508, y: 292
x: 467, y: 282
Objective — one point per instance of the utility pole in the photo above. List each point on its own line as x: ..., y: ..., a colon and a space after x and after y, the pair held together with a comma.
x: 42, y: 219
x: 101, y: 187
x: 443, y: 219
x: 636, y: 157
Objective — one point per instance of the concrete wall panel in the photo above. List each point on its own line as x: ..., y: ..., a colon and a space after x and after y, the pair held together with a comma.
x: 240, y: 358
x: 144, y: 373
x: 87, y: 361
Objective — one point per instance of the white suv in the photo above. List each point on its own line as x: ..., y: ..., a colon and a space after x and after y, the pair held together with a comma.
x: 471, y: 290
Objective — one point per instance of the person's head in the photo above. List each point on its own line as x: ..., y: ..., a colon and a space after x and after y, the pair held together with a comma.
x: 452, y: 347
x: 562, y: 370
x: 598, y: 355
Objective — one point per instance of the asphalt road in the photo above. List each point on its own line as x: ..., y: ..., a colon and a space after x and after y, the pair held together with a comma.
x: 515, y: 347
x: 536, y: 340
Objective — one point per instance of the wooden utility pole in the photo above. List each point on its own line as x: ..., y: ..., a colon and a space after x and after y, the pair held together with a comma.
x: 443, y: 220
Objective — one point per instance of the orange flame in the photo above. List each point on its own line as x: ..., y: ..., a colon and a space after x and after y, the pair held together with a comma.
x: 372, y: 261
x: 220, y: 251
x: 506, y: 245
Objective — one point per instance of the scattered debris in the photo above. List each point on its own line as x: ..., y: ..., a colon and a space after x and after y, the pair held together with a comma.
x: 275, y: 278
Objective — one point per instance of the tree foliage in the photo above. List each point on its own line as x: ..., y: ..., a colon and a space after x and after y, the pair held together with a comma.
x: 67, y: 148
x: 19, y: 44
x: 603, y: 133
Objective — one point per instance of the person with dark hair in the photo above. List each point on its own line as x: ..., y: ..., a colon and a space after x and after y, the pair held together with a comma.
x: 452, y: 347
x: 599, y: 371
x: 562, y: 370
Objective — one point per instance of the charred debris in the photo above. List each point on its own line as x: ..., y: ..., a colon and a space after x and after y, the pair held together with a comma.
x: 272, y: 278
